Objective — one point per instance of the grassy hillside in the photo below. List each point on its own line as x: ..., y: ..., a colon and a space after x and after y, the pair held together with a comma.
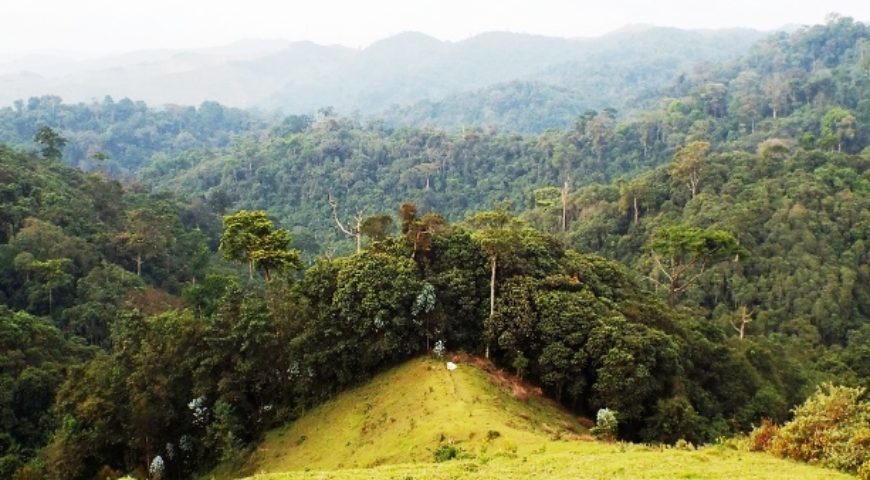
x: 391, y: 427
x: 403, y: 415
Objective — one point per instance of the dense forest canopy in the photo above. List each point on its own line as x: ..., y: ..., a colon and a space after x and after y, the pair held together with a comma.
x: 120, y: 137
x: 696, y: 266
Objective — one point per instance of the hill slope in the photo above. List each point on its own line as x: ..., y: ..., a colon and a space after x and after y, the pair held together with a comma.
x: 403, y: 416
x: 300, y: 77
x: 390, y: 428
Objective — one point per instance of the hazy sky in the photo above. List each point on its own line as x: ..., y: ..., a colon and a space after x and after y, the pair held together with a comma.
x: 121, y: 25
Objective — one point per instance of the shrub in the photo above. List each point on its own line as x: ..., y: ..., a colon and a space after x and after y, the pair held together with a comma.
x: 831, y: 428
x: 439, y: 349
x: 446, y: 452
x: 157, y: 468
x: 761, y: 436
x: 676, y: 419
x: 606, y: 424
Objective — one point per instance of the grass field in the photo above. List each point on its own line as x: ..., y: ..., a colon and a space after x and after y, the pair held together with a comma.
x: 391, y: 427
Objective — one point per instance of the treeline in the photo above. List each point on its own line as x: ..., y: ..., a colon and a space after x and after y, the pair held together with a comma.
x: 179, y: 390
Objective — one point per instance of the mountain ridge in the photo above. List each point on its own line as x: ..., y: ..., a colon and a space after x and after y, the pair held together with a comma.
x: 302, y: 77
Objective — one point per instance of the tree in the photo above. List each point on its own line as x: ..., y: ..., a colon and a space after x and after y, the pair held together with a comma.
x: 839, y: 125
x: 52, y: 143
x: 688, y: 163
x: 547, y: 197
x: 632, y: 196
x: 250, y: 237
x: 776, y: 91
x: 600, y: 131
x: 498, y: 233
x: 682, y: 254
x: 744, y: 318
x: 355, y: 229
x: 52, y: 273
x: 419, y: 231
x: 147, y: 235
x: 377, y: 227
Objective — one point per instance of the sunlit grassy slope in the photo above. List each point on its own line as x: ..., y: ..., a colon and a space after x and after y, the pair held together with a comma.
x: 389, y: 429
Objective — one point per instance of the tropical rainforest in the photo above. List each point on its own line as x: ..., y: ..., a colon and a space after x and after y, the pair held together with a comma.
x: 175, y: 282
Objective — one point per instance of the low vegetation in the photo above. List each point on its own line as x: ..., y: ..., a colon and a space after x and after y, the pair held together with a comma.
x: 421, y: 421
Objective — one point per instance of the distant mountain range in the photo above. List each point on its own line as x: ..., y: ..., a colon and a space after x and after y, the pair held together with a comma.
x: 400, y: 78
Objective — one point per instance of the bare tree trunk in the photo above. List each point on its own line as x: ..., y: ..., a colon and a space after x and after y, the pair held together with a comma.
x: 636, y: 212
x: 565, y: 206
x: 493, y: 261
x: 139, y: 265
x: 357, y: 232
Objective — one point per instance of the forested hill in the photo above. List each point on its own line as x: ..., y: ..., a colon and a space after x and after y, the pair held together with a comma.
x: 137, y: 336
x: 302, y: 77
x: 771, y: 148
x: 806, y: 89
x: 774, y: 71
x: 119, y: 137
x: 77, y: 254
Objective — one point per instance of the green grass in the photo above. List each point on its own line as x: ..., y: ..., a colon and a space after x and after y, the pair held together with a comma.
x: 390, y: 427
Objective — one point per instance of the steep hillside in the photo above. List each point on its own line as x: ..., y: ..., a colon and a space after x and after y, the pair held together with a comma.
x: 403, y: 415
x: 391, y: 427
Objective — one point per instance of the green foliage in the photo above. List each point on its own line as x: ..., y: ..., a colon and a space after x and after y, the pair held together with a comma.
x: 213, y: 372
x: 683, y: 253
x: 33, y: 358
x: 52, y: 143
x: 831, y: 428
x: 119, y: 137
x: 606, y: 425
x: 250, y: 237
x: 446, y: 452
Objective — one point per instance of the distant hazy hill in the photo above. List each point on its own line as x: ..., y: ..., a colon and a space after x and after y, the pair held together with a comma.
x: 619, y: 70
x: 392, y: 74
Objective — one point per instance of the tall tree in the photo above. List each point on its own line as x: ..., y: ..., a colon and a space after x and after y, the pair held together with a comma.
x: 52, y: 143
x: 838, y: 126
x: 682, y: 254
x: 688, y: 163
x: 355, y: 230
x: 499, y: 233
x: 147, y: 235
x: 250, y: 237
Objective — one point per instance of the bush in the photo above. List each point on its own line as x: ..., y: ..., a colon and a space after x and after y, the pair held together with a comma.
x: 761, y: 436
x: 606, y: 425
x: 831, y: 428
x: 676, y: 419
x: 446, y: 452
x: 439, y: 349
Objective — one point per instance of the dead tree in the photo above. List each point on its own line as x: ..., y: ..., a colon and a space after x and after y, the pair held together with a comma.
x: 355, y: 231
x: 744, y: 316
